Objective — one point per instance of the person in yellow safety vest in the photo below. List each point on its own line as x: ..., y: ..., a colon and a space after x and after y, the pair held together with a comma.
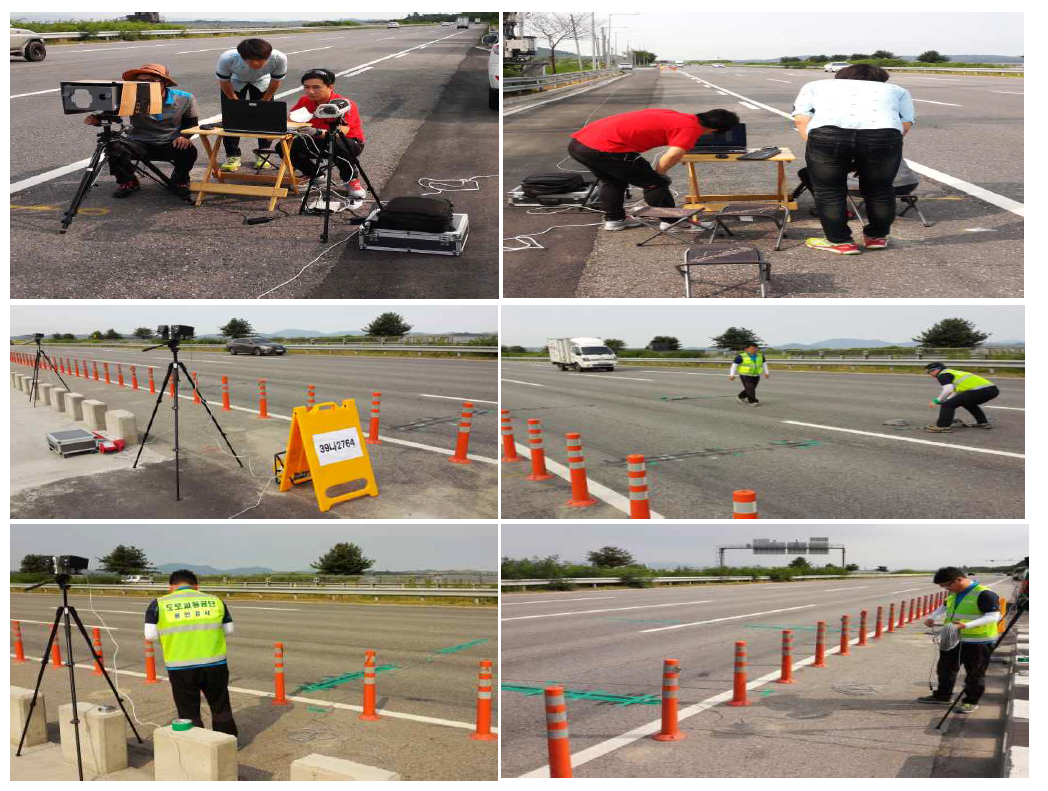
x: 959, y: 389
x: 749, y: 364
x: 192, y: 627
x: 975, y: 610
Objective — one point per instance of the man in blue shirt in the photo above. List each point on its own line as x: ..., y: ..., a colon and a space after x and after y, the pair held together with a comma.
x: 254, y: 70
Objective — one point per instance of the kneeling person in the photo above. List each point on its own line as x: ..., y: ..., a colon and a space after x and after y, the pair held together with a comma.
x: 960, y: 389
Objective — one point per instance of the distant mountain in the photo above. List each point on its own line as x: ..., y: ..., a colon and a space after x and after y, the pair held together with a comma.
x: 1003, y: 59
x: 843, y: 343
x: 167, y: 568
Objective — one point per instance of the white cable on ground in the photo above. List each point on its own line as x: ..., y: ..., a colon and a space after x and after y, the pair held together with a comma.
x: 440, y: 186
x: 529, y: 243
x: 307, y: 266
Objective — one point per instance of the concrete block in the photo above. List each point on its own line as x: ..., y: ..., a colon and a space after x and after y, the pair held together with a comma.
x: 95, y: 414
x: 74, y: 405
x: 25, y: 383
x: 58, y: 398
x: 323, y: 767
x: 1020, y: 710
x: 103, y: 737
x: 1017, y: 762
x: 37, y: 733
x: 120, y: 424
x: 17, y: 385
x: 43, y: 392
x: 196, y: 754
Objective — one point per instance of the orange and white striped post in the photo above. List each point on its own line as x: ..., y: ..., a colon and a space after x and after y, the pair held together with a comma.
x: 509, y: 444
x: 557, y: 741
x: 744, y: 504
x: 263, y: 402
x: 483, y: 733
x: 739, y: 686
x: 196, y: 389
x: 670, y: 731
x: 94, y: 368
x: 16, y: 633
x: 637, y: 476
x: 820, y: 645
x: 76, y: 363
x: 879, y: 628
x: 913, y: 606
x: 150, y: 664
x: 134, y: 378
x: 580, y: 496
x: 862, y: 629
x: 902, y: 615
x: 376, y: 406
x: 152, y: 384
x: 311, y: 396
x: 786, y: 673
x: 106, y: 366
x: 891, y: 617
x: 96, y: 639
x: 845, y: 638
x: 120, y: 374
x: 462, y: 443
x: 56, y: 653
x: 225, y: 394
x: 538, y: 452
x: 370, y: 693
x: 171, y: 387
x: 61, y: 366
x: 279, y: 691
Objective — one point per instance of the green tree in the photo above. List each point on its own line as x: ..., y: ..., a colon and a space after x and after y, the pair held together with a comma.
x: 388, y: 325
x: 931, y: 56
x: 125, y: 560
x: 343, y: 559
x: 952, y: 334
x: 35, y: 564
x: 819, y: 58
x: 789, y: 59
x: 643, y: 57
x: 858, y: 56
x: 237, y: 328
x: 610, y: 558
x: 852, y: 567
x: 69, y: 337
x: 96, y: 335
x: 142, y: 333
x: 112, y: 335
x: 56, y: 336
x: 514, y: 350
x: 615, y: 344
x: 883, y: 54
x: 838, y: 57
x: 736, y: 338
x: 483, y: 340
x: 798, y: 563
x: 668, y: 341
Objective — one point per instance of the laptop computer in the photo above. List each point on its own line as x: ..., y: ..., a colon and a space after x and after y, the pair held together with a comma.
x: 248, y: 115
x: 731, y: 142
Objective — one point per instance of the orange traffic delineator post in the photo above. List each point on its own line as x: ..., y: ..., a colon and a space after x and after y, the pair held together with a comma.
x: 670, y: 732
x: 280, y: 695
x: 845, y: 641
x: 891, y: 617
x: 61, y: 366
x: 94, y: 368
x: 538, y: 453
x: 106, y: 367
x: 879, y: 628
x: 171, y: 387
x: 557, y: 742
x: 580, y: 496
x: 483, y: 733
x: 311, y: 396
x: 150, y: 664
x: 739, y: 686
x: 509, y: 444
x: 862, y: 629
x: 263, y: 402
x: 134, y: 378
x: 637, y: 477
x: 16, y: 633
x: 225, y: 394
x: 96, y: 639
x: 462, y: 443
x: 913, y: 605
x: 376, y: 405
x: 820, y: 645
x: 196, y: 389
x: 152, y: 384
x: 120, y: 374
x: 77, y: 367
x: 902, y: 615
x: 56, y: 653
x: 744, y: 504
x: 370, y: 695
x: 786, y: 673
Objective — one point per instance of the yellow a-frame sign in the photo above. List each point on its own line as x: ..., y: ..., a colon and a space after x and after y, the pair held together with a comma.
x: 327, y: 441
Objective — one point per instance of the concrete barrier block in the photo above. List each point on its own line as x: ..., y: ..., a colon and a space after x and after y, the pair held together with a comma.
x: 14, y: 380
x: 25, y: 383
x: 58, y: 398
x: 103, y: 737
x: 95, y: 414
x: 43, y: 392
x: 74, y: 405
x: 37, y: 733
x: 196, y: 754
x: 120, y: 424
x: 1017, y: 762
x: 324, y: 767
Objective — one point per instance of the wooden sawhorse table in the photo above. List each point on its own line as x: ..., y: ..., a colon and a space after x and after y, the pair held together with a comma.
x: 717, y: 202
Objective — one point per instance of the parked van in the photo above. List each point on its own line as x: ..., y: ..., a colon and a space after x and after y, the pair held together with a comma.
x: 581, y: 354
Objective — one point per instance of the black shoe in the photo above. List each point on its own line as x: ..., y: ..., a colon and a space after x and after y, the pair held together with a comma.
x: 181, y: 190
x: 934, y: 700
x: 124, y: 190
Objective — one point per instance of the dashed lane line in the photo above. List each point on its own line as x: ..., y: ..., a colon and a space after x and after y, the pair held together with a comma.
x: 518, y: 382
x: 728, y: 618
x: 556, y: 601
x: 945, y: 104
x: 458, y: 398
x: 610, y: 609
x: 911, y: 439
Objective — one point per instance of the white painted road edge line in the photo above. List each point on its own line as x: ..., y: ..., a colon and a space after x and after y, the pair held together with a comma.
x: 635, y: 379
x: 521, y: 109
x: 907, y: 590
x: 34, y: 93
x: 518, y: 382
x: 49, y: 623
x: 469, y: 726
x: 729, y: 618
x: 557, y: 601
x: 831, y: 590
x: 947, y: 104
x: 911, y: 439
x: 598, y: 490
x: 457, y: 398
x: 616, y: 609
x: 1012, y: 408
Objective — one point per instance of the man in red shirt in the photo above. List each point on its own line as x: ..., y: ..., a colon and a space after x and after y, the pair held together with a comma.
x: 318, y: 85
x: 611, y: 148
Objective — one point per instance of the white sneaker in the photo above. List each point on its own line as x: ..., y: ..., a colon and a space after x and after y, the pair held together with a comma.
x: 622, y: 225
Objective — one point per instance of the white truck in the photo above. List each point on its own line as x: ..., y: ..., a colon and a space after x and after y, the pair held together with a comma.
x: 463, y: 21
x: 581, y: 354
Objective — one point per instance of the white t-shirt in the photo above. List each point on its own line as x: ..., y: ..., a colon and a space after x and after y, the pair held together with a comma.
x: 854, y: 104
x: 233, y: 68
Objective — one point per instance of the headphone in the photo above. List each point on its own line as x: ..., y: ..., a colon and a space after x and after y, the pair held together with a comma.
x: 325, y: 75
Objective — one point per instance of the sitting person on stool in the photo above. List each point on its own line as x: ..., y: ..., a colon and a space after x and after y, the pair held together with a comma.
x: 611, y: 148
x: 749, y: 364
x: 960, y: 389
x: 155, y: 138
x: 306, y: 155
x: 253, y: 70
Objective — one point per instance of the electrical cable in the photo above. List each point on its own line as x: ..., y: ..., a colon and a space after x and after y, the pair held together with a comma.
x: 307, y: 266
x: 440, y: 186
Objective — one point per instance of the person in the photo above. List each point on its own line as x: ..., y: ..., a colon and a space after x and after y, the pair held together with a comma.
x: 611, y: 148
x: 749, y: 364
x: 192, y: 628
x: 253, y: 70
x: 975, y: 610
x: 306, y: 153
x: 154, y: 137
x: 960, y: 389
x: 853, y: 123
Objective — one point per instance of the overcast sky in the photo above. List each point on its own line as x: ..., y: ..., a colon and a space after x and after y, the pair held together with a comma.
x: 207, y: 318
x: 694, y: 325
x: 896, y: 546
x: 705, y: 34
x: 282, y: 547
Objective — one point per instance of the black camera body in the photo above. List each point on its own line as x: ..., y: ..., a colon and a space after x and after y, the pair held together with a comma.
x: 176, y: 332
x: 38, y: 336
x: 69, y: 564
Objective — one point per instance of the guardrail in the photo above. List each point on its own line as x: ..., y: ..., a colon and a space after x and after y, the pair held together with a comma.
x: 196, y: 32
x: 351, y: 346
x: 1018, y: 69
x: 519, y: 84
x: 595, y: 581
x: 889, y: 360
x: 346, y: 591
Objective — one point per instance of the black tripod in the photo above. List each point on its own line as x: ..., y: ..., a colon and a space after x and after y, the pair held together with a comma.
x: 94, y: 169
x: 64, y: 614
x: 173, y: 368
x: 42, y: 355
x: 333, y: 134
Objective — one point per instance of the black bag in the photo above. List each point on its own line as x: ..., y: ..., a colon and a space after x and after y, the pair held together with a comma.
x: 430, y: 215
x: 551, y: 184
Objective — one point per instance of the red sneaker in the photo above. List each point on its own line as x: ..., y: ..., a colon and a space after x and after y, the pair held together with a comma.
x: 874, y: 243
x: 850, y: 248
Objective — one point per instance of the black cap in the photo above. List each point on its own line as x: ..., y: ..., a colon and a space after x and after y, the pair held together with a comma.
x: 934, y: 366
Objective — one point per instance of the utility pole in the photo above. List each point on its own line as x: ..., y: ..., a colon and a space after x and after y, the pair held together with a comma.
x: 593, y: 40
x: 575, y: 34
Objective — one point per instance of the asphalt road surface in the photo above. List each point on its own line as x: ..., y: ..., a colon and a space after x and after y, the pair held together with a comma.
x: 153, y: 245
x: 796, y: 450
x: 615, y: 641
x: 967, y: 146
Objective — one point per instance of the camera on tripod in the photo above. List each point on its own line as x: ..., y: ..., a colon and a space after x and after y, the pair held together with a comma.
x: 109, y: 99
x: 175, y: 332
x: 38, y: 336
x: 68, y: 564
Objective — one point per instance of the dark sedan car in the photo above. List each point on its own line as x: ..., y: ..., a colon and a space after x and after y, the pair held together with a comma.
x: 257, y: 346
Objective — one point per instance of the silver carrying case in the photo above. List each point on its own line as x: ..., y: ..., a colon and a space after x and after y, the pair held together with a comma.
x: 444, y: 243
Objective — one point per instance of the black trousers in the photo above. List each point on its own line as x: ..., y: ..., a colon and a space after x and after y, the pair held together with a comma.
x: 616, y: 172
x: 124, y: 151
x: 874, y: 155
x: 970, y: 400
x: 186, y: 686
x: 749, y: 388
x: 231, y: 145
x: 306, y: 159
x: 975, y: 659
x: 802, y: 174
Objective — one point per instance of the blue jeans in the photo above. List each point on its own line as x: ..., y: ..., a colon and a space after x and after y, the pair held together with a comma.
x: 874, y: 154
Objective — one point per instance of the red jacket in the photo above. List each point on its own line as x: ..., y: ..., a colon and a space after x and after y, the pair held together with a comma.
x: 351, y: 119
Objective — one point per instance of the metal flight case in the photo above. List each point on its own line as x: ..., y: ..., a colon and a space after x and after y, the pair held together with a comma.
x: 436, y: 243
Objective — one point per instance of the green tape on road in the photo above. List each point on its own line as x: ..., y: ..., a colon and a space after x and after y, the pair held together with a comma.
x: 330, y: 682
x: 596, y: 695
x: 460, y: 647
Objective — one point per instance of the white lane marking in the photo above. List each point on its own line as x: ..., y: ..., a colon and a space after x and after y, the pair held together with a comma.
x: 598, y: 490
x: 358, y: 71
x: 518, y: 382
x: 831, y: 590
x: 907, y: 590
x: 1012, y: 408
x: 771, y: 79
x: 524, y: 107
x: 1000, y: 201
x: 92, y: 626
x: 278, y: 609
x: 729, y: 618
x: 139, y: 46
x: 558, y: 601
x: 911, y: 439
x: 632, y: 378
x: 750, y: 106
x: 1014, y: 93
x: 685, y: 373
x: 720, y: 93
x: 607, y: 609
x: 34, y: 93
x: 193, y: 51
x: 317, y: 49
x: 458, y: 398
x: 401, y: 55
x: 946, y: 104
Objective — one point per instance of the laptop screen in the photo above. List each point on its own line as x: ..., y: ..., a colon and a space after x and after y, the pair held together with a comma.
x: 247, y: 115
x: 733, y: 138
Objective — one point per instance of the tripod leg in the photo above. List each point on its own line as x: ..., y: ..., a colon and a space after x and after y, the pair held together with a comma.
x: 363, y: 174
x: 178, y: 460
x: 94, y: 169
x: 36, y: 379
x: 72, y: 690
x: 211, y: 415
x: 327, y: 187
x: 39, y: 678
x: 54, y: 368
x: 309, y: 188
x: 159, y: 398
